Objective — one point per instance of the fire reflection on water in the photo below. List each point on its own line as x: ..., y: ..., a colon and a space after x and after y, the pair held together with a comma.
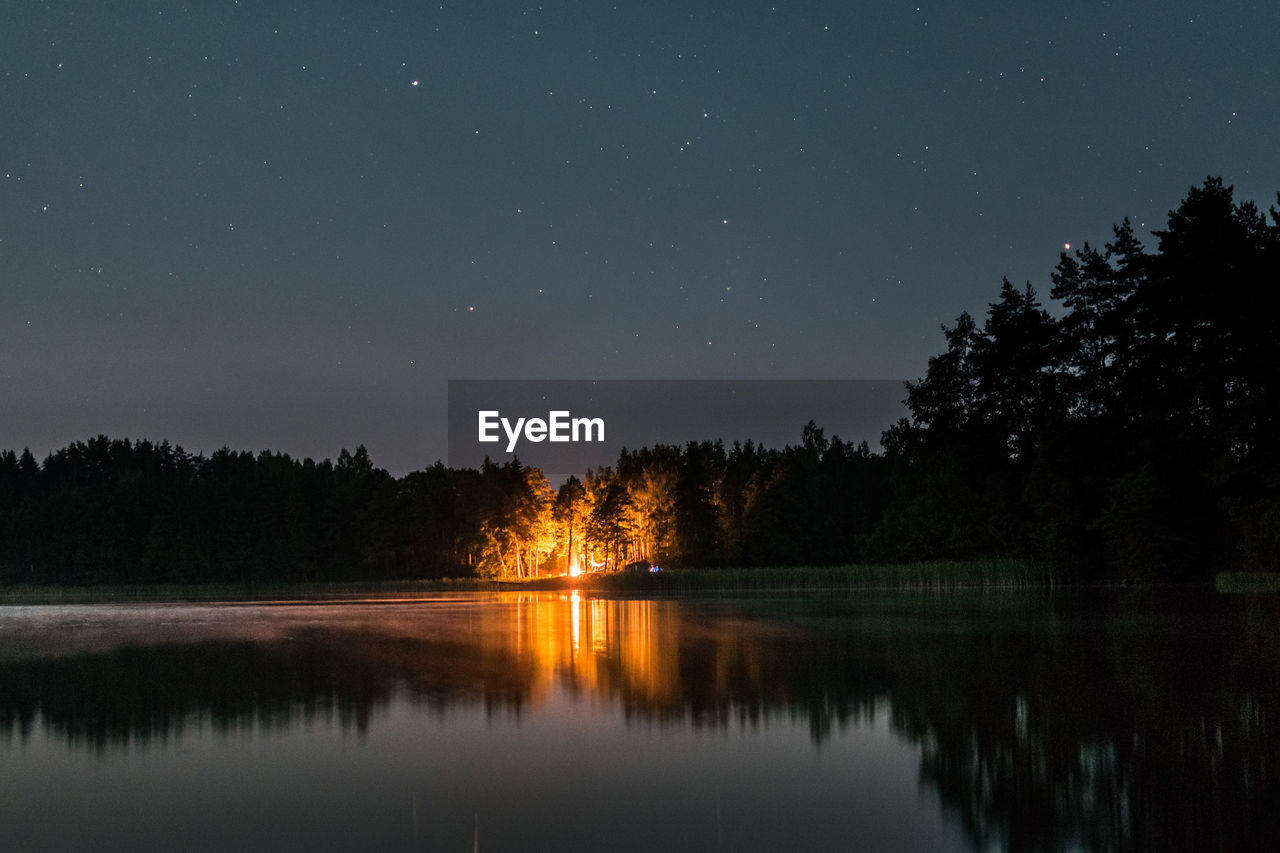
x: 1105, y: 708
x: 593, y: 646
x: 575, y: 602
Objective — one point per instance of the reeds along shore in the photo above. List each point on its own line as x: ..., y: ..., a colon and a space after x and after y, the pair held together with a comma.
x: 926, y: 575
x: 941, y: 574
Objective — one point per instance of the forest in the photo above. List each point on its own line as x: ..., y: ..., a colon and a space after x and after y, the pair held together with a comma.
x: 1128, y: 429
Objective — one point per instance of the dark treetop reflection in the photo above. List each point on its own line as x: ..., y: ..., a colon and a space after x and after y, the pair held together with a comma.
x: 1116, y: 723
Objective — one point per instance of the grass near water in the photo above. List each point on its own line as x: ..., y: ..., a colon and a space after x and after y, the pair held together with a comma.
x: 942, y: 574
x: 1247, y: 582
x: 938, y: 574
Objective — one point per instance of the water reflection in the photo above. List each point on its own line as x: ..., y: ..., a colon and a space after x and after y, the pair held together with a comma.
x: 1041, y: 722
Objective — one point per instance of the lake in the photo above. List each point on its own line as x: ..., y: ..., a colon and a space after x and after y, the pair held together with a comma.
x: 1079, y: 720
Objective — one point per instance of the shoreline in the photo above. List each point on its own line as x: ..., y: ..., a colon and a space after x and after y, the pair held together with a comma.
x: 935, y: 575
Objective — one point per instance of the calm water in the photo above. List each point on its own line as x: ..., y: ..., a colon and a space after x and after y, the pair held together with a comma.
x: 553, y: 722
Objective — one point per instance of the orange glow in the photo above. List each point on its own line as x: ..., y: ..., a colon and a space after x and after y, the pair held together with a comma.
x: 606, y: 647
x: 575, y: 618
x: 574, y: 568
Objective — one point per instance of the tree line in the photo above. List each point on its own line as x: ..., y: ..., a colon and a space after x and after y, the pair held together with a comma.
x: 1132, y: 432
x: 115, y: 510
x: 1135, y: 435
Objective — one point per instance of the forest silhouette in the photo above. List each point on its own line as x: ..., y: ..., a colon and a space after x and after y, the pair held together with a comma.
x: 1131, y: 432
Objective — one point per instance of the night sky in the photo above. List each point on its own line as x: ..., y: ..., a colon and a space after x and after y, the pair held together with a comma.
x: 286, y: 226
